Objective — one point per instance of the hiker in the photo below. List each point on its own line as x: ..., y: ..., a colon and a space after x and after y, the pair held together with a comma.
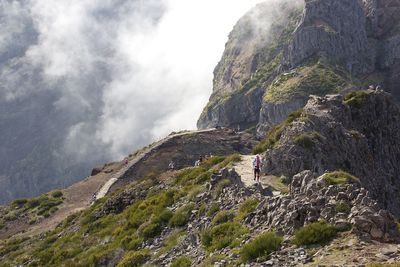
x: 126, y: 161
x: 171, y: 165
x: 201, y: 159
x: 256, y: 168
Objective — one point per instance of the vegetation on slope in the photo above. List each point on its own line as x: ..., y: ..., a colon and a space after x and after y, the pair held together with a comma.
x: 269, y: 59
x: 356, y: 98
x: 86, y: 238
x: 31, y: 210
x: 260, y: 246
x: 339, y: 177
x: 314, y: 234
x: 315, y: 78
x: 275, y: 133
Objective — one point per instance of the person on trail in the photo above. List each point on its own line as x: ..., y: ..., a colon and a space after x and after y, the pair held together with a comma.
x: 171, y: 165
x: 257, y: 168
x: 126, y: 161
x: 201, y: 159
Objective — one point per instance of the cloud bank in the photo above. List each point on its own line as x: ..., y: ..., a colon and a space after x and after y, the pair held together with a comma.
x: 127, y: 72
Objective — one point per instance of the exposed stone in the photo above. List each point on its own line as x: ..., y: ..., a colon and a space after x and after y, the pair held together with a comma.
x: 362, y: 140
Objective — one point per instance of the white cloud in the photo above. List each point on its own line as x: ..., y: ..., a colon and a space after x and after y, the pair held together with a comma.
x: 129, y: 71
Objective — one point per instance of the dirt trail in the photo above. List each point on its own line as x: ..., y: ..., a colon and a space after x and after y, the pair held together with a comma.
x: 245, y: 169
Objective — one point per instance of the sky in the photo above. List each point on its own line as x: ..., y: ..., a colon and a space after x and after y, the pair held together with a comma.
x: 127, y: 72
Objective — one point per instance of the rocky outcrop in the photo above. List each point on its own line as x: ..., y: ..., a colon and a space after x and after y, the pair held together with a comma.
x: 274, y: 113
x: 313, y: 200
x: 359, y: 135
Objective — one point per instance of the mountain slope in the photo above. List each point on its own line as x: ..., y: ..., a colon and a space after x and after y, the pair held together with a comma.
x: 356, y: 43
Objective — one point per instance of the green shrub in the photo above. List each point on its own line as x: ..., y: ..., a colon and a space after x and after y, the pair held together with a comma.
x: 315, y: 78
x: 275, y: 133
x: 223, y: 235
x: 181, y: 216
x: 223, y: 216
x: 202, y: 210
x: 214, y: 208
x: 356, y: 98
x: 135, y: 258
x: 189, y: 175
x: 247, y: 207
x: 260, y: 246
x: 131, y: 242
x: 314, y: 234
x: 18, y: 203
x: 181, y: 262
x: 57, y: 194
x: 32, y: 203
x: 307, y: 140
x: 212, y: 161
x: 342, y: 207
x: 151, y: 230
x: 339, y: 177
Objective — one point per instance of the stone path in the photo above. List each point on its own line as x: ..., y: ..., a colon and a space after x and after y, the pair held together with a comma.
x: 245, y: 169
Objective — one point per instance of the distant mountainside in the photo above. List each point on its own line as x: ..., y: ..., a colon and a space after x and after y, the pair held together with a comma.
x: 331, y: 46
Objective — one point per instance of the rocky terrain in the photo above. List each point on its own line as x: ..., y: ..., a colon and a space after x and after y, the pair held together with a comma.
x: 329, y: 190
x: 323, y: 47
x: 361, y: 134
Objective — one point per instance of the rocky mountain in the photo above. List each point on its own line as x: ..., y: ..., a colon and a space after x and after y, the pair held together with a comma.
x: 308, y: 207
x: 325, y: 47
x: 329, y: 188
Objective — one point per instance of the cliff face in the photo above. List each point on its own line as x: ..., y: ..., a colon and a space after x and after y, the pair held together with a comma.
x: 251, y: 59
x: 324, y: 47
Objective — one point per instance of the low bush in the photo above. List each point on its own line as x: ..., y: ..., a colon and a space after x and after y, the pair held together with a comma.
x: 223, y: 216
x: 131, y: 242
x: 248, y: 206
x: 181, y: 216
x: 339, y: 177
x: 135, y: 258
x: 228, y: 234
x: 181, y: 262
x: 356, y: 98
x: 318, y: 233
x: 57, y: 194
x: 214, y: 208
x: 342, y: 207
x: 18, y: 203
x: 260, y: 246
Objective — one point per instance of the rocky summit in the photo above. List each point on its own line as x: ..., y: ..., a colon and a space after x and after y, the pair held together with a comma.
x: 314, y: 93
